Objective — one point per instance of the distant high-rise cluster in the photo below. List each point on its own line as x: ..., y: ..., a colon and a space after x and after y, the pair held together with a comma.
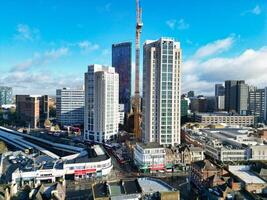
x: 236, y: 96
x: 5, y: 95
x: 161, y: 91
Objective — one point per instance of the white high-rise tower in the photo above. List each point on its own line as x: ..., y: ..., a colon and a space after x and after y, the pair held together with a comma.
x: 101, y: 113
x: 161, y: 92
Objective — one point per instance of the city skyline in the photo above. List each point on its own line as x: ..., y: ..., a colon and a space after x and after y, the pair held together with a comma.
x: 52, y: 49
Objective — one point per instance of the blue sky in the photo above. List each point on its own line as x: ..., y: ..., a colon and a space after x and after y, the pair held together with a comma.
x: 47, y: 44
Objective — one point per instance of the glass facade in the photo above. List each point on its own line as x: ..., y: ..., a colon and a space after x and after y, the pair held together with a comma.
x: 122, y: 61
x: 184, y: 108
x: 166, y: 91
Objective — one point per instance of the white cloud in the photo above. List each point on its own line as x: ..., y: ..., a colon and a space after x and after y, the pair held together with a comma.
x: 215, y: 47
x: 87, y: 46
x: 104, y: 8
x: 41, y: 82
x: 201, y: 74
x: 174, y: 24
x: 24, y: 32
x: 171, y: 23
x: 256, y: 10
x: 39, y: 59
x: 107, y: 7
x: 182, y: 24
x: 56, y: 53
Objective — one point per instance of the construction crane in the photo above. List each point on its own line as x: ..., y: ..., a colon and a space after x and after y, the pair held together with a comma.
x: 137, y: 98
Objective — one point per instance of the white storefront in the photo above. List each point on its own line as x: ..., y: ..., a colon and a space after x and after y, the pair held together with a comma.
x: 149, y: 156
x: 37, y: 177
x: 82, y: 166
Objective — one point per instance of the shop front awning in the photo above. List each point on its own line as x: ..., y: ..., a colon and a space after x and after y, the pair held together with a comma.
x: 157, y: 167
x: 84, y: 171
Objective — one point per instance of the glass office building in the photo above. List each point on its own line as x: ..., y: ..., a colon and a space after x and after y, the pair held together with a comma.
x: 122, y: 61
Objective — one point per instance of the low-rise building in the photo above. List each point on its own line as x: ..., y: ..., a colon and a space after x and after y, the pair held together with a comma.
x: 224, y: 117
x: 149, y: 156
x: 249, y: 181
x: 225, y: 152
x: 202, y: 173
x: 134, y: 189
x: 229, y: 190
x: 228, y: 144
x: 90, y: 163
x: 172, y: 158
x: 190, y: 154
x: 258, y: 152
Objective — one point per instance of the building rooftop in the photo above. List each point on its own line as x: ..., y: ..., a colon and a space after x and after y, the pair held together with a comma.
x: 116, y: 189
x: 150, y: 145
x: 243, y: 172
x: 100, y: 190
x: 150, y: 185
x: 233, y: 131
x: 196, y: 149
x: 132, y: 187
x: 94, y: 154
x: 129, y: 189
x: 221, y: 114
x: 205, y: 165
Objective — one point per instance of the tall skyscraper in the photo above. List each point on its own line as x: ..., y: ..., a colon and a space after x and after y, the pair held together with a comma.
x: 242, y: 99
x: 122, y: 61
x: 228, y: 87
x: 220, y: 103
x: 184, y: 109
x: 236, y: 96
x: 265, y: 105
x: 257, y: 103
x: 101, y: 114
x: 5, y: 95
x: 219, y: 96
x: 70, y: 106
x: 161, y: 91
x: 219, y: 90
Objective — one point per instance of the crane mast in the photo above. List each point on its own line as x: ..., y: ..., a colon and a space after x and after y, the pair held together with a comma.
x: 137, y: 99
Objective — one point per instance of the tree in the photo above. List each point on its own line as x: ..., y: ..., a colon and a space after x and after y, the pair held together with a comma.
x: 56, y: 128
x: 47, y: 123
x: 52, y: 112
x: 3, y: 147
